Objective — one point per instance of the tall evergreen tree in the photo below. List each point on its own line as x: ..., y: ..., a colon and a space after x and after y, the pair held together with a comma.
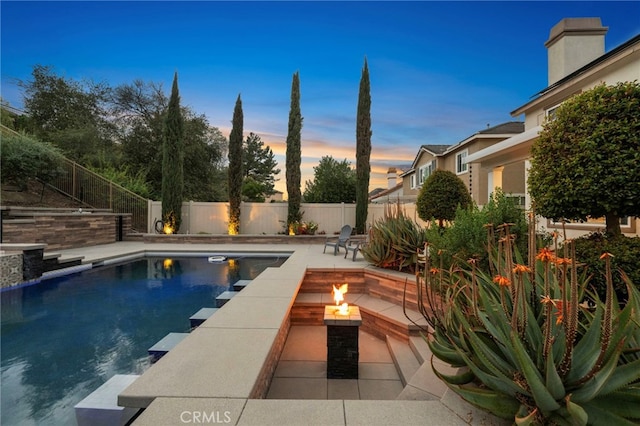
x: 259, y: 167
x: 173, y: 161
x: 363, y: 150
x: 235, y: 168
x: 293, y: 157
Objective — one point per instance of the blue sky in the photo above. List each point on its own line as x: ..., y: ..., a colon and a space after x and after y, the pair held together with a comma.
x: 440, y: 71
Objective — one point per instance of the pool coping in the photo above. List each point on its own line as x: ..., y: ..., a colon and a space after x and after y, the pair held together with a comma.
x: 249, y: 327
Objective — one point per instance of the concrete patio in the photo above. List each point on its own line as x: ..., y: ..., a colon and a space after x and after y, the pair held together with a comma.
x: 246, y: 365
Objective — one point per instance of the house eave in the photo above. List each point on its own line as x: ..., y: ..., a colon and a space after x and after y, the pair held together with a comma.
x: 504, y: 150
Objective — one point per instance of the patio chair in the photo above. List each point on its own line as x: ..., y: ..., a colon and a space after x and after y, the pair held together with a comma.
x: 339, y: 241
x: 355, y: 243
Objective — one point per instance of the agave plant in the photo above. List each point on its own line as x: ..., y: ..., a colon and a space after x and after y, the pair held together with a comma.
x: 393, y: 240
x: 539, y: 347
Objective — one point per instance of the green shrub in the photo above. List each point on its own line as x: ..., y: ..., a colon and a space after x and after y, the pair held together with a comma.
x: 442, y: 193
x: 467, y: 236
x: 626, y: 256
x: 135, y: 182
x: 25, y: 158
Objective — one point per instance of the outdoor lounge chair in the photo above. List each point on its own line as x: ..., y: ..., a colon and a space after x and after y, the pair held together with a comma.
x: 354, y: 245
x: 339, y: 241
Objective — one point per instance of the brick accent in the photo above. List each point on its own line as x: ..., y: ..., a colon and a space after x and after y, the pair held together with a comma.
x: 65, y: 230
x: 261, y: 386
x: 321, y: 280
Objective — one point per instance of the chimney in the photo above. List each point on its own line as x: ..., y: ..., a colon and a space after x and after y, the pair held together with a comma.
x: 391, y: 177
x: 573, y: 43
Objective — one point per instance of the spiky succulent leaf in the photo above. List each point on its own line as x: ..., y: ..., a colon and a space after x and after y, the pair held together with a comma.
x: 492, y: 401
x: 542, y: 396
x: 579, y: 417
x: 553, y: 379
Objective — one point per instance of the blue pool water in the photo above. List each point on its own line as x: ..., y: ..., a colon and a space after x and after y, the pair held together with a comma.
x: 64, y: 337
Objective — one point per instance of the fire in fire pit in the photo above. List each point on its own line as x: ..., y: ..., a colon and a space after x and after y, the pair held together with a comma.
x: 338, y: 296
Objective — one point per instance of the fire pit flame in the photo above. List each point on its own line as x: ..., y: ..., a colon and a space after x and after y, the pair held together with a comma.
x: 338, y: 296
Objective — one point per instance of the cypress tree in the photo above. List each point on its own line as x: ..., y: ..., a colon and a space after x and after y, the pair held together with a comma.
x: 363, y: 150
x: 173, y: 162
x: 235, y: 168
x: 293, y: 157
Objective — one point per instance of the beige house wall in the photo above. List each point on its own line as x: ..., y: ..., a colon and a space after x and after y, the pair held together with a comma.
x: 625, y: 69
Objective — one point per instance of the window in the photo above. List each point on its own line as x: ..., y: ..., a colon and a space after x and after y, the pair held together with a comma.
x: 461, y: 165
x: 413, y: 180
x: 550, y: 114
x: 425, y: 171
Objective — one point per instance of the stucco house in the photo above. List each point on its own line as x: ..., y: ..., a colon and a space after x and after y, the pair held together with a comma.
x: 576, y: 62
x: 453, y: 158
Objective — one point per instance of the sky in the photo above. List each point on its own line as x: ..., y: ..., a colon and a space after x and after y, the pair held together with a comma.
x: 439, y: 71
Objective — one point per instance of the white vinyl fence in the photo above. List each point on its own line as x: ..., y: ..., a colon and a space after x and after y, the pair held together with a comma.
x: 268, y: 218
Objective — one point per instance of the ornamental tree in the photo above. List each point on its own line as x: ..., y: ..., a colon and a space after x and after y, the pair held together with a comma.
x: 293, y: 155
x: 585, y: 161
x: 173, y: 161
x: 363, y: 150
x: 441, y: 195
x: 235, y: 168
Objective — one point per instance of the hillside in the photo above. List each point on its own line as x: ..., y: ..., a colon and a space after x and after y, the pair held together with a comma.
x: 34, y: 196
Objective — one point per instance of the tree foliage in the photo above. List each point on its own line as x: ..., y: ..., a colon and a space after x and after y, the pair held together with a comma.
x: 333, y: 182
x: 441, y: 195
x: 69, y: 114
x: 173, y: 160
x: 122, y: 129
x: 363, y: 150
x: 294, y: 154
x: 235, y: 168
x: 259, y: 168
x: 25, y: 158
x: 140, y: 109
x: 584, y: 163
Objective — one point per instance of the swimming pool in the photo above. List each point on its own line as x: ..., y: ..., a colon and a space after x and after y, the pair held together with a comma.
x: 64, y: 337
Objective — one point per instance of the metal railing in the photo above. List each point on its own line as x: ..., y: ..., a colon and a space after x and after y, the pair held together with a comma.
x: 89, y: 188
x: 95, y: 191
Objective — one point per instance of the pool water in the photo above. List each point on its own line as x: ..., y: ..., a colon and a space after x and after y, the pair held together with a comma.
x: 64, y: 337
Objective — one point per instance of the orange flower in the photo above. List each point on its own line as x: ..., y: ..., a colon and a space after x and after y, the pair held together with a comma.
x: 560, y: 312
x: 433, y: 270
x: 521, y: 269
x: 545, y: 255
x: 562, y: 261
x: 605, y: 255
x: 546, y: 300
x: 502, y: 281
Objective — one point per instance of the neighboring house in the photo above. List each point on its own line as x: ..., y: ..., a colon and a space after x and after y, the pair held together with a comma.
x: 453, y: 158
x: 576, y: 62
x: 276, y: 197
x: 394, y: 191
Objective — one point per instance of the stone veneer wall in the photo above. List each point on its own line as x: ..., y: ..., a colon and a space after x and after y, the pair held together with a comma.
x: 66, y: 230
x: 10, y: 269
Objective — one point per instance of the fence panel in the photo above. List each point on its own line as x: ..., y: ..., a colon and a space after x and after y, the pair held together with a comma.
x: 270, y: 218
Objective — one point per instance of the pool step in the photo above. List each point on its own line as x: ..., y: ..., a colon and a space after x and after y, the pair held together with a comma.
x: 224, y: 298
x: 201, y: 316
x: 240, y: 284
x: 100, y: 408
x: 167, y: 343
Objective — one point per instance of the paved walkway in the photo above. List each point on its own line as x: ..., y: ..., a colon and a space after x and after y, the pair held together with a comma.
x: 185, y: 381
x: 302, y: 370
